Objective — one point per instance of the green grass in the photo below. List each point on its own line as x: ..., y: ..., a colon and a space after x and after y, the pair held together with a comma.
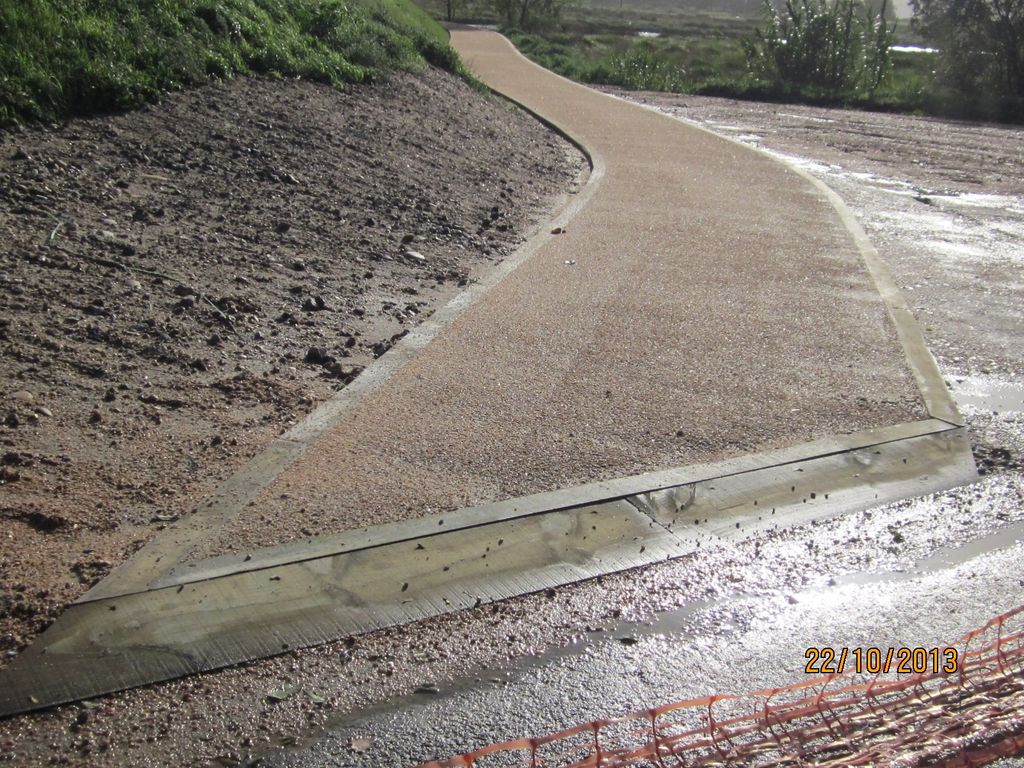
x: 71, y: 57
x: 676, y: 64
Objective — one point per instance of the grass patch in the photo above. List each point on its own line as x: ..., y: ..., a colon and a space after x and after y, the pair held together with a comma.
x: 674, y: 64
x: 71, y: 57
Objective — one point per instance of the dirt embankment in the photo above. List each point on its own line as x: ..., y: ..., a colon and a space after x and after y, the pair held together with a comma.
x: 179, y: 285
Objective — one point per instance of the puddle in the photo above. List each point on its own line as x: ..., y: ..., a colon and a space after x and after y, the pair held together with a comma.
x: 807, y: 118
x: 1002, y: 203
x: 912, y: 49
x: 956, y: 250
x: 989, y: 393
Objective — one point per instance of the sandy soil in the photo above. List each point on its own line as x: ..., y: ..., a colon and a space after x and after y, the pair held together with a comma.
x: 179, y: 285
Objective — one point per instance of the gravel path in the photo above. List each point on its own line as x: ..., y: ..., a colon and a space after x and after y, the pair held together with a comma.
x: 705, y: 302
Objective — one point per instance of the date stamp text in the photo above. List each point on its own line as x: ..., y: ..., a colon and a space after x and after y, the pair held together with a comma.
x: 872, y: 660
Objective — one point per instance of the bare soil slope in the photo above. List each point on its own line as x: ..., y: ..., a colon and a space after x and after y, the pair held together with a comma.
x: 179, y: 285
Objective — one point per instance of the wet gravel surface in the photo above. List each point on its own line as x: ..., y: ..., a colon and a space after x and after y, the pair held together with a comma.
x: 774, y: 594
x: 179, y: 285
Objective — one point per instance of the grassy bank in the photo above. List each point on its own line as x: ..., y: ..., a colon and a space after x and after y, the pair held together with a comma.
x: 70, y: 57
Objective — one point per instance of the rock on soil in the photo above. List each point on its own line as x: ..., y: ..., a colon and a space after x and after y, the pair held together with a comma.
x: 180, y: 284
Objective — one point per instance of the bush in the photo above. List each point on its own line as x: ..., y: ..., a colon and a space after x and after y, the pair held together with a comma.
x: 640, y: 68
x: 833, y: 47
x: 981, y: 44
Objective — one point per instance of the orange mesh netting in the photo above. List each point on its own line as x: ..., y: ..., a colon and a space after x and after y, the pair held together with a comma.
x: 966, y: 717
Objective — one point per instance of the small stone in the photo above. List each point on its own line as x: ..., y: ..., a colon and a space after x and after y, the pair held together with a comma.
x: 214, y: 340
x: 318, y: 356
x: 429, y: 688
x: 12, y: 420
x: 187, y: 302
x: 135, y: 285
x: 415, y: 256
x: 558, y: 231
x: 184, y: 290
x: 22, y: 397
x: 110, y: 395
x: 20, y: 154
x: 298, y: 265
x: 95, y: 417
x: 314, y: 304
x: 282, y: 227
x: 360, y: 745
x: 42, y: 410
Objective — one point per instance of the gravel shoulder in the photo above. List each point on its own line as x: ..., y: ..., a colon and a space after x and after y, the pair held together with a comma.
x: 181, y: 284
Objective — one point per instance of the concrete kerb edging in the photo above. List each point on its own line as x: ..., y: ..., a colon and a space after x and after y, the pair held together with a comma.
x: 160, y: 555
x: 930, y: 383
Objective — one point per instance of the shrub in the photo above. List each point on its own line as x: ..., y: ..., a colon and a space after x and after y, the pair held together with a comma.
x: 835, y: 47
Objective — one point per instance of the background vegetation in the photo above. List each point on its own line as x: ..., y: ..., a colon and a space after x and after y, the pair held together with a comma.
x: 67, y: 57
x: 982, y: 43
x: 829, y: 52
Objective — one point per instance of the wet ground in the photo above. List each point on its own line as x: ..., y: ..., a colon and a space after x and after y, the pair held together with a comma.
x: 748, y: 610
x: 944, y: 205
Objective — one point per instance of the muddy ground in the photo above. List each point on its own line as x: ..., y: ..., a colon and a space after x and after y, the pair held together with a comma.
x: 181, y: 284
x: 230, y: 717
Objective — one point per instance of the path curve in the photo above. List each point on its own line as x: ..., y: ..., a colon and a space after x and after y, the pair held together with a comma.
x: 707, y: 301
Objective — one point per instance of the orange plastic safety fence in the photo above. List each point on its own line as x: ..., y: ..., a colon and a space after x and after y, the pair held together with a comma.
x: 956, y: 719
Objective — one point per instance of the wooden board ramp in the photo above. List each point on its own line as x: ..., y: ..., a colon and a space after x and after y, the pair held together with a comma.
x: 229, y: 610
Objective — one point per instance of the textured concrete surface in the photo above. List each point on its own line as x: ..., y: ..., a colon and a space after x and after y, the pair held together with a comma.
x: 706, y: 302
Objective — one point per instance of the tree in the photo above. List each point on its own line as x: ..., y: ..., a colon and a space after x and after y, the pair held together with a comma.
x: 981, y: 42
x: 839, y: 47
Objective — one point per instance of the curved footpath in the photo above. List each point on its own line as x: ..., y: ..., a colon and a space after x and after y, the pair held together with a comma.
x: 699, y: 301
x: 706, y: 301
